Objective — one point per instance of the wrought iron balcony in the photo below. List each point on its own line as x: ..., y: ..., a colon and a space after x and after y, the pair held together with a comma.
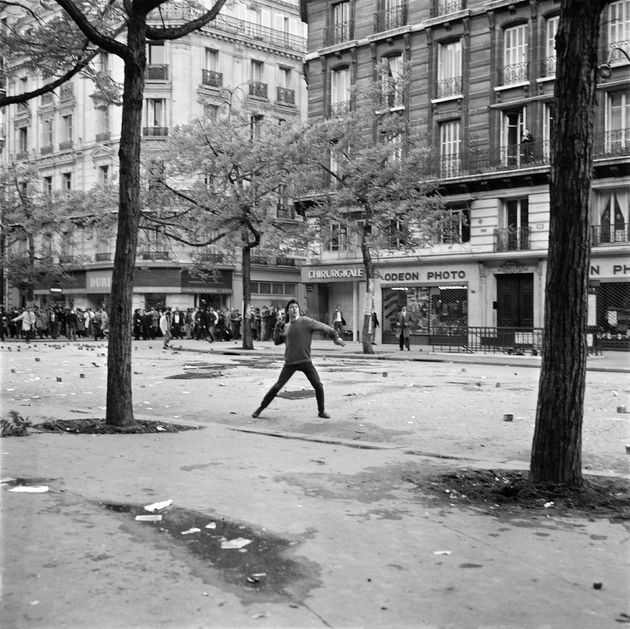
x: 445, y: 7
x: 286, y: 96
x: 340, y: 108
x: 449, y: 87
x: 285, y: 211
x: 102, y: 257
x: 66, y: 145
x: 258, y: 89
x: 511, y: 239
x: 212, y: 78
x: 47, y: 100
x: 548, y: 66
x: 66, y: 93
x: 66, y: 258
x: 156, y: 72
x: 259, y: 260
x: 285, y: 262
x: 516, y: 73
x: 610, y: 234
x: 391, y: 18
x: 338, y: 33
x: 46, y: 150
x: 103, y: 136
x: 612, y: 143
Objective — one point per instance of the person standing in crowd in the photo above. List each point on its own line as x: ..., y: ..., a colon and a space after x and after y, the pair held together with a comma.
x: 235, y: 323
x: 338, y: 321
x: 373, y: 325
x: 72, y: 324
x: 212, y: 325
x: 297, y: 335
x: 165, y: 327
x: 404, y: 325
x: 264, y: 324
x: 4, y: 323
x: 137, y: 324
x: 155, y: 323
x: 28, y: 320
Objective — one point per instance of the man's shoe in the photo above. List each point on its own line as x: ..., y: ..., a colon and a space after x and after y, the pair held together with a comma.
x: 257, y: 413
x: 323, y: 415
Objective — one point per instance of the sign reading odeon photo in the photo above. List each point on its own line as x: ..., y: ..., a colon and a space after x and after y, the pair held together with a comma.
x: 332, y: 274
x: 430, y: 275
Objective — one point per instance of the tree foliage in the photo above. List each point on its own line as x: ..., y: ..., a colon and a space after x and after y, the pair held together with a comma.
x: 226, y: 181
x: 364, y: 171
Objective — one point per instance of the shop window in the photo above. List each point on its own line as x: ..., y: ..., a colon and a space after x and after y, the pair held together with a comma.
x: 265, y: 288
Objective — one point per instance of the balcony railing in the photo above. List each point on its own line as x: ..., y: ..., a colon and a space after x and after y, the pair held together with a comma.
x: 102, y: 257
x: 155, y: 132
x: 450, y: 165
x: 340, y: 108
x: 610, y: 234
x: 286, y: 96
x: 449, y: 87
x: 517, y: 73
x: 511, y: 239
x: 184, y: 12
x: 285, y: 262
x: 103, y: 136
x: 156, y: 72
x: 66, y: 145
x: 548, y: 66
x: 155, y: 255
x: 21, y: 155
x: 285, y: 211
x: 259, y: 260
x: 23, y: 109
x: 47, y: 100
x: 66, y: 258
x: 390, y: 18
x: 615, y: 142
x: 338, y: 33
x: 46, y: 150
x: 212, y: 257
x: 444, y: 7
x: 212, y: 78
x: 258, y: 89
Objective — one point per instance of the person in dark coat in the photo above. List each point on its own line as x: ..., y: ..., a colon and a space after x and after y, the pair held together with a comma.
x: 404, y: 324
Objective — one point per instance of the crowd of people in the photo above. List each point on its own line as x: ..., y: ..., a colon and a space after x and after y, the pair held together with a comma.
x: 202, y: 323
x: 53, y: 322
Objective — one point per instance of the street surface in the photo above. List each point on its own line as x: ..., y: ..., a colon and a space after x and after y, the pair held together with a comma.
x: 338, y: 538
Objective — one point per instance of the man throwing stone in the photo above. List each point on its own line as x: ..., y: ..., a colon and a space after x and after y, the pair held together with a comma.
x: 297, y: 335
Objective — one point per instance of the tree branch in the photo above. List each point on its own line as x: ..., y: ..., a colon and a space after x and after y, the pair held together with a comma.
x: 175, y: 32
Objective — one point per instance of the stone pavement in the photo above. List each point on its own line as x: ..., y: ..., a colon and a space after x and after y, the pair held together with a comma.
x: 369, y: 550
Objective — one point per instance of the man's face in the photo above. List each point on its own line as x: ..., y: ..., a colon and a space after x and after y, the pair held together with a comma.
x: 294, y: 311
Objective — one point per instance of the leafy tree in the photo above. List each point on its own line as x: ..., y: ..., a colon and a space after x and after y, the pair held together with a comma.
x: 557, y: 446
x: 362, y: 170
x: 225, y: 181
x: 86, y: 28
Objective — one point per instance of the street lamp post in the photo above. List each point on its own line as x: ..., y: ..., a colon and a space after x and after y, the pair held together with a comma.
x: 605, y: 70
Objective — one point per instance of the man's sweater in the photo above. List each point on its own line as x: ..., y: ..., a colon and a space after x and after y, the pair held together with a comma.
x: 298, y: 336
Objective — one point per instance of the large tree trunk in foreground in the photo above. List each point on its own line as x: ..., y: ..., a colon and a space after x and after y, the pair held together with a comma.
x: 557, y: 446
x: 246, y: 327
x: 368, y: 267
x: 119, y: 389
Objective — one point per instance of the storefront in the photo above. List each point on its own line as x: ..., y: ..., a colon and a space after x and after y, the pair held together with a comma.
x: 329, y: 286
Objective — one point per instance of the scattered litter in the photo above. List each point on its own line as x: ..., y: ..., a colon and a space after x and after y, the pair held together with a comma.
x: 30, y: 489
x: 621, y: 409
x: 548, y: 504
x: 256, y: 616
x: 597, y: 585
x: 160, y: 429
x: 235, y: 543
x: 508, y: 417
x: 158, y: 506
x: 212, y: 525
x: 194, y: 529
x: 149, y: 518
x: 442, y: 552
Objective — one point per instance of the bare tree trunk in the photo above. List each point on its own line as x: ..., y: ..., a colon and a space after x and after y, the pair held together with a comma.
x: 248, y: 342
x: 119, y: 390
x: 557, y: 446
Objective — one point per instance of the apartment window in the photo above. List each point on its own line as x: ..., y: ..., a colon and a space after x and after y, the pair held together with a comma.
x: 66, y: 181
x: 47, y: 133
x: 157, y: 69
x: 155, y: 117
x: 515, y: 55
x: 257, y: 85
x: 449, y: 69
x: 392, y: 81
x: 613, y: 225
x: 340, y: 91
x: 286, y: 93
x: 548, y: 129
x: 102, y: 123
x: 22, y: 139
x: 338, y: 240
x: 395, y: 141
x: 449, y: 148
x: 102, y: 63
x: 256, y: 123
x: 617, y: 135
x: 456, y: 229
x: 210, y: 112
x: 391, y: 14
x: 514, y: 232
x: 549, y: 62
x: 619, y: 29
x: 66, y: 129
x: 512, y: 132
x: 103, y: 175
x: 396, y: 234
x: 47, y: 185
x: 340, y: 29
x: 210, y: 74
